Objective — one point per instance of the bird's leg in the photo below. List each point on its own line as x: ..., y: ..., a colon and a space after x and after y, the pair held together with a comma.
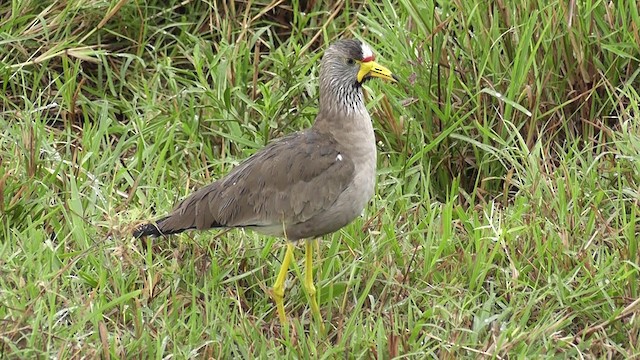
x: 308, y: 281
x: 278, y: 287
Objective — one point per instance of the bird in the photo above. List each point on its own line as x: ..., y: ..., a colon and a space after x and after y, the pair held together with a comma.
x: 303, y: 185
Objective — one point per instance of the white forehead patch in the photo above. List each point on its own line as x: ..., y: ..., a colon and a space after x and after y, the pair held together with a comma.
x: 367, y: 54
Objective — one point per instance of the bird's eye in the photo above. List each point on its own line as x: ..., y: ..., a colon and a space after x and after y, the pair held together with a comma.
x: 351, y: 61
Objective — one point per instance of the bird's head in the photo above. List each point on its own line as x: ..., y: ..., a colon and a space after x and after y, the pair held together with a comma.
x: 345, y: 66
x: 351, y: 61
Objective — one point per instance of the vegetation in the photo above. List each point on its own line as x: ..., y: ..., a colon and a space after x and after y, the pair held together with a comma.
x: 505, y: 222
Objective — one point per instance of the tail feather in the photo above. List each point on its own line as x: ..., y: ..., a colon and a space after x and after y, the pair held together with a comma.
x: 194, y: 212
x: 156, y: 229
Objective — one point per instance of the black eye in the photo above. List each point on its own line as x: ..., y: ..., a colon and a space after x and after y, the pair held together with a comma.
x: 351, y: 61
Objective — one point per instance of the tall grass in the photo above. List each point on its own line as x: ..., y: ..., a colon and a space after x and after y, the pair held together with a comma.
x: 505, y: 222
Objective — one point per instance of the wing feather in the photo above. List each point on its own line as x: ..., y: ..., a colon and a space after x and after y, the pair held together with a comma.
x: 288, y: 182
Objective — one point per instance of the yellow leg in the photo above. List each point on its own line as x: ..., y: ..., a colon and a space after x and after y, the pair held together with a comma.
x: 278, y: 287
x: 308, y: 282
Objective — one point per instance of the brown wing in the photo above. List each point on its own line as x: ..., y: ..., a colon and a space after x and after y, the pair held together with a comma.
x: 287, y: 182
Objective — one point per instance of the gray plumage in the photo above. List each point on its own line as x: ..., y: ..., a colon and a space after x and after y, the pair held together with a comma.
x: 304, y: 185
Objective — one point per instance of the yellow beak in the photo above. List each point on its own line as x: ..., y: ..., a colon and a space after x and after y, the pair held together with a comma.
x: 372, y: 68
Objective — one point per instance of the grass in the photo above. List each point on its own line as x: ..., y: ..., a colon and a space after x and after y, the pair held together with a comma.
x: 505, y: 222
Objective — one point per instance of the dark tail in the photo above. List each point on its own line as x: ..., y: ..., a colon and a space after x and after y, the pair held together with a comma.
x: 154, y: 229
